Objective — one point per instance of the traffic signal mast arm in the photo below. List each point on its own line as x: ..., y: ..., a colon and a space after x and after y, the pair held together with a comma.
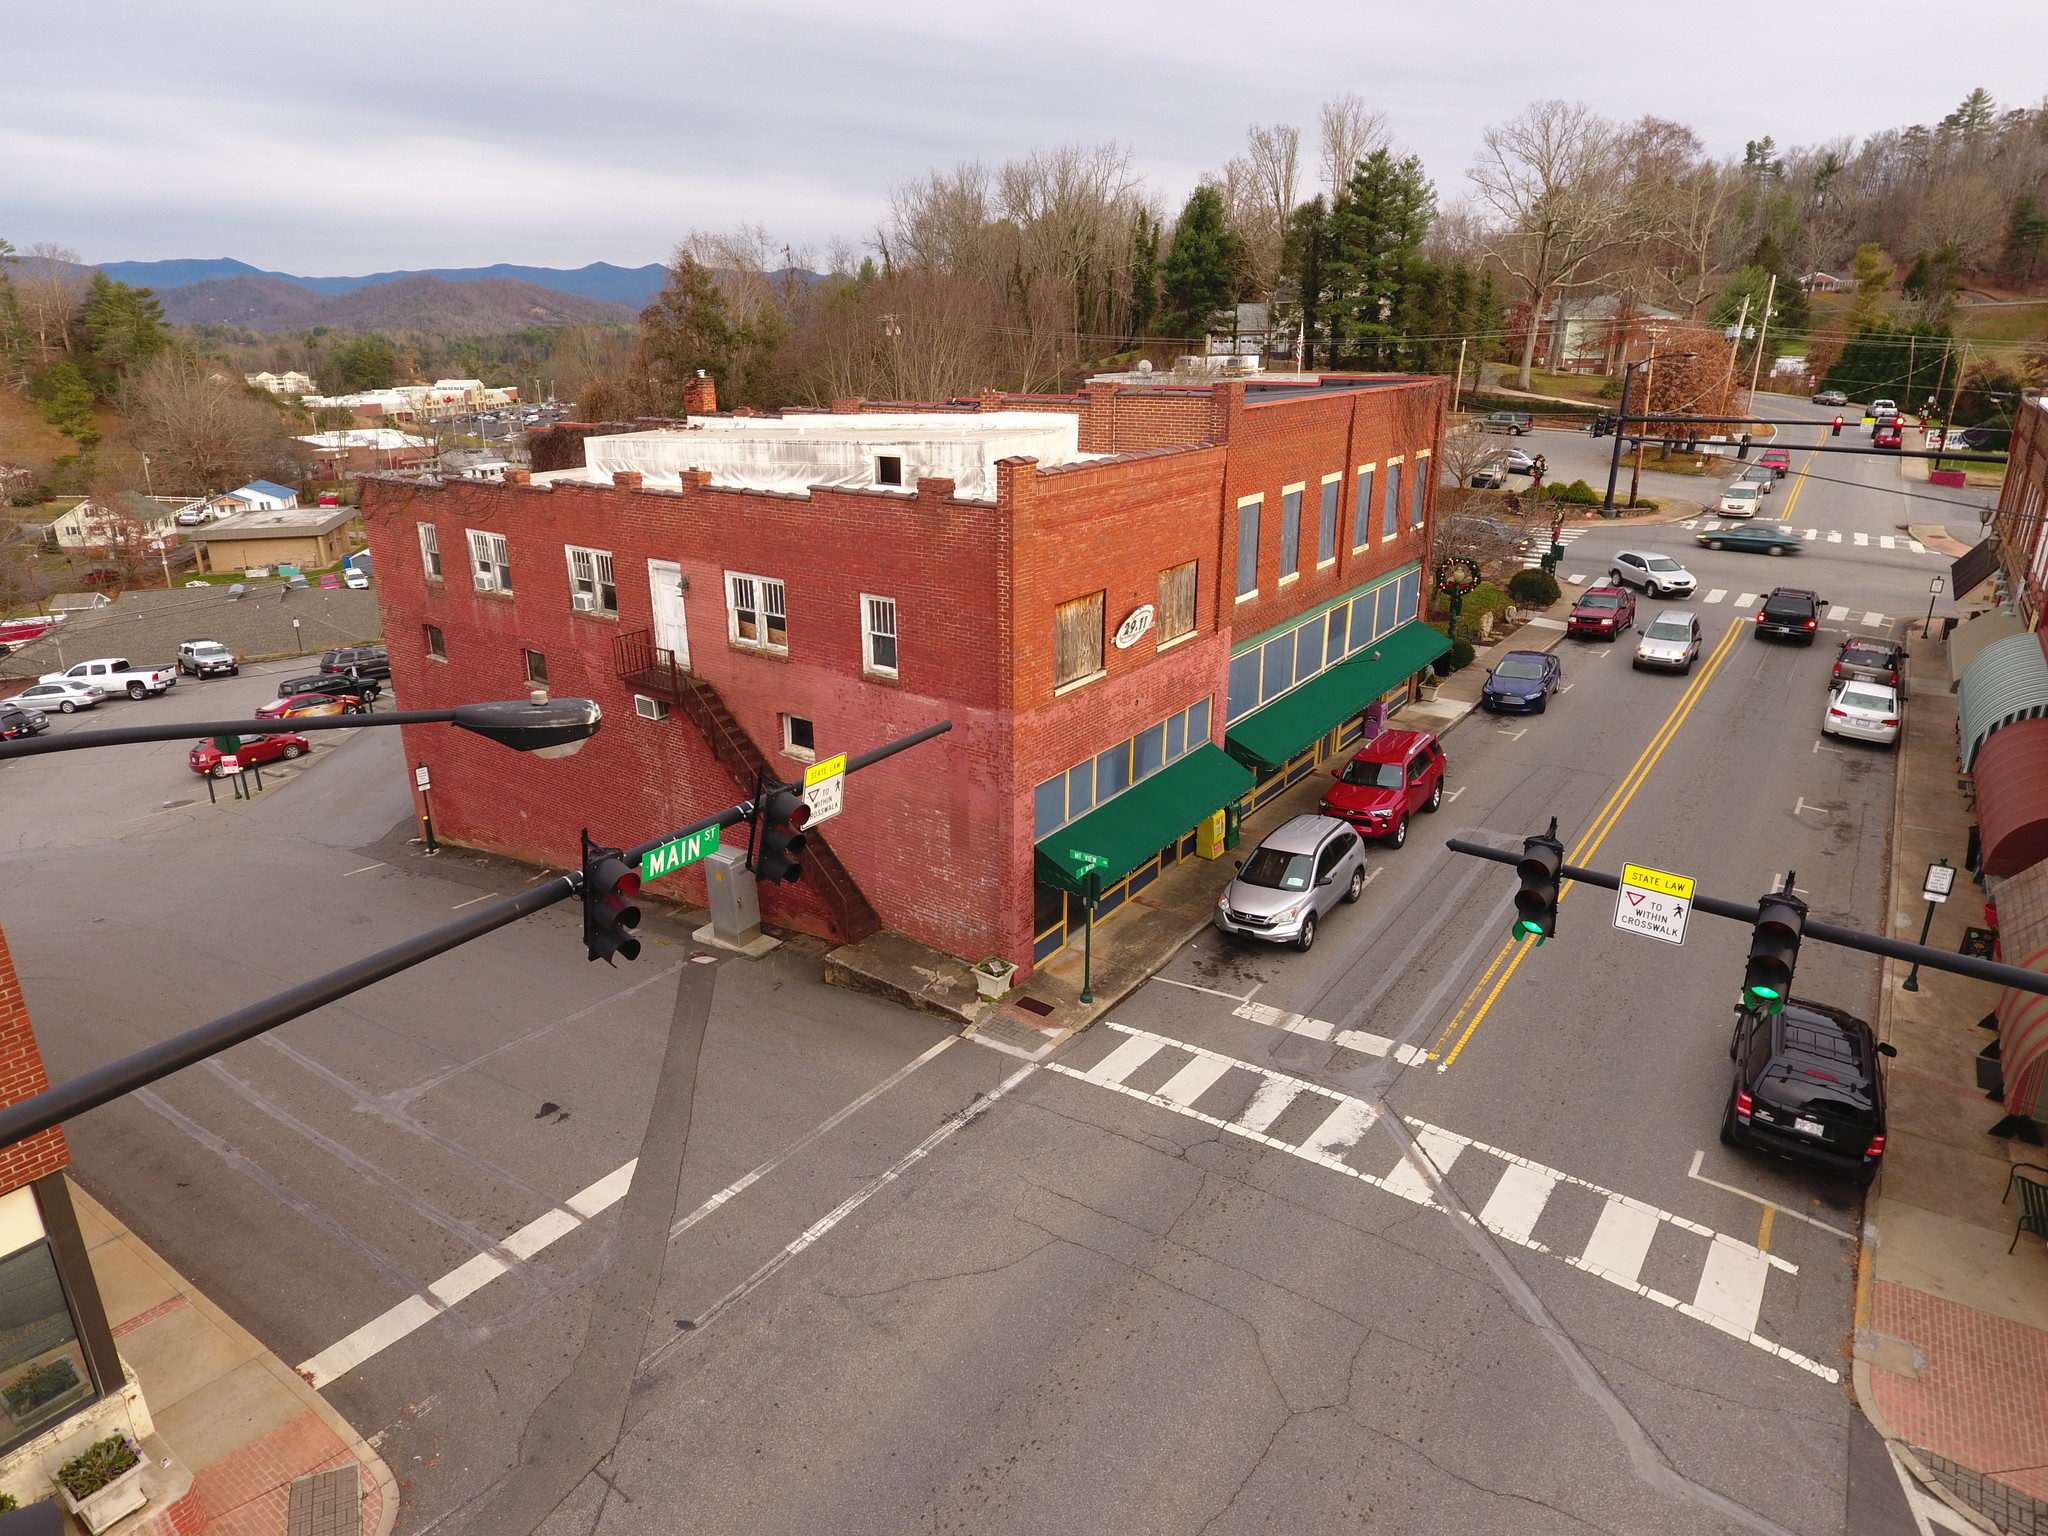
x: 102, y: 1084
x: 1618, y: 425
x: 1999, y: 974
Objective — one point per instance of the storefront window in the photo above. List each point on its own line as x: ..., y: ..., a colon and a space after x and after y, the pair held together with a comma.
x: 42, y: 1370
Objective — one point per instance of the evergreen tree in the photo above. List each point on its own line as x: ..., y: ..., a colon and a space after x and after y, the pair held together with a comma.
x: 1373, y: 262
x: 1200, y: 276
x: 685, y: 328
x: 1302, y: 261
x: 1793, y: 312
x: 66, y: 400
x: 123, y: 325
x: 1144, y: 275
x: 2026, y: 238
x: 361, y: 363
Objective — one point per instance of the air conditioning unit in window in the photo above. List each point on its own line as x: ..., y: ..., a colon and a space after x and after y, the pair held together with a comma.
x: 582, y: 602
x: 484, y: 583
x: 650, y: 709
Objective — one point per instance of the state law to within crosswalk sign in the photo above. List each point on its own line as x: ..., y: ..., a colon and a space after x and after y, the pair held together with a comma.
x: 825, y: 789
x: 1653, y: 902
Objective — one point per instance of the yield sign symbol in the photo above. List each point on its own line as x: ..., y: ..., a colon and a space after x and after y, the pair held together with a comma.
x: 1635, y: 898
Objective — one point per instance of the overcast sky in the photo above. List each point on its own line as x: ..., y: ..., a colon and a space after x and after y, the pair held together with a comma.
x: 339, y: 139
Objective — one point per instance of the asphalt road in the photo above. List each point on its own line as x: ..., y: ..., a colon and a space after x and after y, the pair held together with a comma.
x: 912, y: 1283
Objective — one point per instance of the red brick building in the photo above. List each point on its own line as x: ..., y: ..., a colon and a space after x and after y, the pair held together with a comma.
x: 1138, y: 607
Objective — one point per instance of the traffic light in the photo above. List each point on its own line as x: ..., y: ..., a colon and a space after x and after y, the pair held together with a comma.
x: 779, y: 816
x: 610, y: 915
x: 1602, y: 425
x: 1536, y: 901
x: 1774, y: 950
x: 1837, y: 432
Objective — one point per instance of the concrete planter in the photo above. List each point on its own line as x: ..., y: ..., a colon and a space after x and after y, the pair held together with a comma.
x: 1428, y: 693
x: 992, y: 977
x: 119, y: 1499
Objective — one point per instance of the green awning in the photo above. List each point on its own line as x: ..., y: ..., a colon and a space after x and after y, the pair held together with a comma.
x: 1143, y: 819
x: 1268, y: 737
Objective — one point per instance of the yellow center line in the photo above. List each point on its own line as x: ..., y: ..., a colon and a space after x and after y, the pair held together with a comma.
x: 1799, y: 482
x: 1603, y: 823
x: 1763, y: 1231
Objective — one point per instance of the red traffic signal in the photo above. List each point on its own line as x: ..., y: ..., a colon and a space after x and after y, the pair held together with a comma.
x: 779, y: 818
x: 610, y: 913
x: 1837, y: 432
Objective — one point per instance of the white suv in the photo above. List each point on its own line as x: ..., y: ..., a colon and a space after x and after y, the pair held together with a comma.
x: 1658, y: 575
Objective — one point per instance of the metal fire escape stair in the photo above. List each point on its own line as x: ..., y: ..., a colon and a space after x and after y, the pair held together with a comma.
x: 652, y: 669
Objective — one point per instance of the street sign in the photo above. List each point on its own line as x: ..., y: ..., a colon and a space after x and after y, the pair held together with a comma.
x: 1941, y: 880
x: 825, y: 789
x: 1087, y: 862
x: 670, y: 857
x: 422, y: 778
x: 1653, y: 903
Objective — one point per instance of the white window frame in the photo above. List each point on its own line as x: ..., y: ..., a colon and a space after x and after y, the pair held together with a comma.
x: 430, y: 551
x: 1257, y: 503
x: 1418, y: 491
x: 790, y: 748
x: 764, y: 597
x: 1361, y: 526
x: 1299, y: 491
x: 874, y: 613
x: 590, y: 571
x: 1335, y: 519
x: 489, y: 555
x: 1390, y: 469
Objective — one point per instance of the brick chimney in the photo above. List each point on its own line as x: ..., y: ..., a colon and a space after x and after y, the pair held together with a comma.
x: 626, y: 479
x: 700, y: 395
x: 850, y: 406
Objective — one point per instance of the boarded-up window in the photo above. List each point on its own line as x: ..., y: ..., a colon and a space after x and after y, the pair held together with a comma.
x: 1077, y: 639
x: 1177, y: 602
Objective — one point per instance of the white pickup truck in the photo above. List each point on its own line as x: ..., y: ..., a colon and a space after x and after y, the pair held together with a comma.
x: 114, y: 674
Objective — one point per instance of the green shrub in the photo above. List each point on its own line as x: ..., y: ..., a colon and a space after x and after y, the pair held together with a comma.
x: 1533, y: 588
x: 1486, y: 598
x: 1461, y: 655
x: 1644, y: 504
x: 1579, y: 494
x: 97, y: 1465
x: 8, y: 1503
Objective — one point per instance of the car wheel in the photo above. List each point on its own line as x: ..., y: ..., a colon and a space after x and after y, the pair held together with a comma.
x: 1356, y: 888
x: 1774, y: 550
x: 136, y: 690
x: 1542, y: 703
x: 1307, y: 941
x: 1636, y: 662
x: 1686, y: 670
x: 68, y: 707
x: 1729, y: 1135
x: 1436, y: 797
x: 291, y: 752
x: 1399, y: 836
x: 1715, y: 544
x: 220, y: 770
x: 234, y: 671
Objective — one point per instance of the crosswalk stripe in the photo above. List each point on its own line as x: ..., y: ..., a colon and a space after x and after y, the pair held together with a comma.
x: 1442, y: 1149
x: 1837, y: 612
x: 1886, y: 541
x: 1812, y: 534
x: 1621, y: 1240
x: 1268, y: 1104
x: 1834, y: 537
x: 1745, y: 600
x: 1715, y: 596
x: 1341, y: 1128
x: 1731, y: 1291
x: 1517, y: 1202
x: 1873, y: 619
x: 1126, y: 1058
x: 1862, y: 539
x: 1193, y: 1080
x: 1916, y: 546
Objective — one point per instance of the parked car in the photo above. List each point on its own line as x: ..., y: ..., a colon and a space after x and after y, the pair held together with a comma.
x: 1672, y: 640
x: 331, y: 582
x: 1888, y: 434
x: 1831, y: 397
x: 1492, y: 475
x: 311, y: 704
x: 1515, y: 423
x: 1790, y: 613
x: 1658, y: 575
x: 1777, y: 460
x: 1602, y: 612
x: 1522, y: 680
x: 193, y: 517
x: 1390, y: 778
x: 1765, y: 540
x: 207, y: 658
x: 1302, y: 869
x: 16, y: 721
x: 363, y: 660
x: 64, y: 693
x: 206, y: 757
x: 1762, y: 476
x: 1866, y: 711
x: 114, y: 674
x: 1741, y: 499
x: 363, y: 688
x: 1807, y: 1087
x: 356, y: 580
x: 1874, y: 661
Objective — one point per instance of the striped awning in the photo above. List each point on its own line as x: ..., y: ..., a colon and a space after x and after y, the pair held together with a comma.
x: 1967, y: 641
x: 2012, y: 798
x: 2007, y: 682
x: 2023, y: 1046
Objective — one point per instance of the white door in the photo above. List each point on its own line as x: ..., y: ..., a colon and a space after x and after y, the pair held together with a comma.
x: 665, y: 584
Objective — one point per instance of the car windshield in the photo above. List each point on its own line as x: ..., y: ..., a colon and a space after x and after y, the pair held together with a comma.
x: 1663, y: 563
x: 1669, y: 629
x: 1520, y: 666
x: 1276, y: 871
x: 1599, y: 600
x: 1863, y: 698
x: 1867, y: 656
x: 1741, y: 492
x: 1372, y: 775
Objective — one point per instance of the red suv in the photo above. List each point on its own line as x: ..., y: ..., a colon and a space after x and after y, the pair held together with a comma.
x: 1778, y: 459
x: 1603, y: 612
x: 1390, y: 778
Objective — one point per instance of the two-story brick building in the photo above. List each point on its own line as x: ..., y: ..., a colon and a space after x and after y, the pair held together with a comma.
x: 1138, y: 607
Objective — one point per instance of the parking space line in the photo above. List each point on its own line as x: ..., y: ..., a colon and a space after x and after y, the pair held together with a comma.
x: 487, y: 895
x: 1770, y: 1205
x: 363, y: 871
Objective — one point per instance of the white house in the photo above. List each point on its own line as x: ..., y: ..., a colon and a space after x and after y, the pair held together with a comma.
x: 93, y: 525
x: 256, y: 496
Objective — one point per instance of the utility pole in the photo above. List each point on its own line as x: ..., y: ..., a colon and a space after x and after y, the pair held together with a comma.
x: 1741, y: 320
x: 1635, y: 476
x: 1763, y: 330
x: 1458, y: 383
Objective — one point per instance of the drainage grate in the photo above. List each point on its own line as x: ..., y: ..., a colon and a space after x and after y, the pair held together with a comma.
x: 2006, y: 1507
x: 1035, y: 1005
x: 326, y: 1504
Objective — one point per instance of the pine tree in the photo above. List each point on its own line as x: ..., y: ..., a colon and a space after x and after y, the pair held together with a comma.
x: 1373, y: 262
x: 2026, y: 238
x: 1200, y: 276
x: 1302, y: 261
x: 684, y: 329
x: 123, y: 325
x: 1144, y: 305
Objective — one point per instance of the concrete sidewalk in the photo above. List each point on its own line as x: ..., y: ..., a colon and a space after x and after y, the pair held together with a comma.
x: 1951, y: 1353
x: 254, y: 1434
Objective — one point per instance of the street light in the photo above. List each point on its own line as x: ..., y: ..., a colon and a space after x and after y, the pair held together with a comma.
x: 1621, y: 421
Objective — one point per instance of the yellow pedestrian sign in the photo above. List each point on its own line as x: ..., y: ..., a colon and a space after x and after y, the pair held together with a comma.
x: 825, y: 789
x: 1653, y: 903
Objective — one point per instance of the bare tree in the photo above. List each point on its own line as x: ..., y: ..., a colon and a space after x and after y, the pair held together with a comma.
x: 1351, y: 130
x: 202, y: 430
x: 1260, y: 189
x: 116, y: 529
x: 1554, y: 181
x: 22, y: 583
x: 51, y: 284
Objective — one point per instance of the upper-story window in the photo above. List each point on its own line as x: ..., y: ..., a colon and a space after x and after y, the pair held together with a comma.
x: 1077, y: 640
x: 1326, y: 529
x: 1390, y: 523
x: 1418, y: 490
x: 591, y: 588
x: 878, y: 634
x: 490, y: 562
x: 1361, y: 508
x: 1177, y: 602
x: 1248, y: 546
x: 754, y: 612
x: 1290, y: 532
x: 430, y: 551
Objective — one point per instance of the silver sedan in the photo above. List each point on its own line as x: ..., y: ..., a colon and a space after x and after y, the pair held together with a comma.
x: 1866, y: 711
x: 1672, y: 640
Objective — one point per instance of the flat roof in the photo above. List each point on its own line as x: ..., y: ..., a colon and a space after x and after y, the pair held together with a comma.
x: 275, y: 523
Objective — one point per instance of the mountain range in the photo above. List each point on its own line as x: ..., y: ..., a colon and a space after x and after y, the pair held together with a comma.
x: 631, y: 286
x: 415, y: 301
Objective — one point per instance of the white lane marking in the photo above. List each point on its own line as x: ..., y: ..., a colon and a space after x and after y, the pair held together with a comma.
x: 1886, y: 541
x: 1277, y: 1090
x: 1862, y: 539
x: 1745, y: 600
x: 1715, y: 596
x: 1410, y: 1182
x: 1783, y: 1210
x: 1834, y: 536
x: 1192, y: 1081
x: 1731, y: 1289
x: 1517, y: 1202
x: 1873, y: 619
x: 1190, y: 986
x: 1800, y: 807
x: 487, y: 895
x: 1341, y: 1128
x: 1837, y: 612
x: 1514, y: 735
x: 1916, y: 546
x: 1574, y: 581
x: 1621, y: 1240
x: 363, y: 871
x: 1454, y: 794
x: 1567, y: 688
x: 1690, y: 522
x: 1812, y: 534
x: 1126, y: 1058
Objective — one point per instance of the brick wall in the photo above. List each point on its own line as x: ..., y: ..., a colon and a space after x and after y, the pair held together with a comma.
x: 21, y: 1076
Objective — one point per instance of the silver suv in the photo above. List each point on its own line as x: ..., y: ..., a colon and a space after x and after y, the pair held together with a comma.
x: 1658, y: 575
x: 1302, y: 870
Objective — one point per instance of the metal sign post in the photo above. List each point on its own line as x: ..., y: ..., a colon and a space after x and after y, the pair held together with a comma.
x: 1933, y: 592
x: 1092, y: 866
x: 1940, y: 881
x: 425, y: 782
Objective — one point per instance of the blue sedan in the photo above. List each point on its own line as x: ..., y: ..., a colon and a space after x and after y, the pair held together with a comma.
x: 1524, y: 681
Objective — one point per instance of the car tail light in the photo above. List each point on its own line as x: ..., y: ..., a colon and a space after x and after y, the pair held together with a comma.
x: 1876, y: 1147
x: 1759, y: 618
x: 1812, y: 623
x: 1742, y: 1103
x: 1889, y: 722
x: 1838, y: 714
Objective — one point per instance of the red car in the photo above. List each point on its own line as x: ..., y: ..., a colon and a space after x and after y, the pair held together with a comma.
x: 1390, y: 778
x: 1779, y: 459
x: 1602, y: 612
x: 311, y: 704
x: 205, y: 758
x: 1888, y: 434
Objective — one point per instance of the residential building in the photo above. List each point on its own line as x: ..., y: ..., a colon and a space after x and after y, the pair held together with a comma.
x: 1141, y: 608
x: 99, y: 524
x: 1826, y: 282
x: 311, y: 538
x: 366, y: 448
x: 1591, y: 333
x: 256, y: 496
x: 291, y: 383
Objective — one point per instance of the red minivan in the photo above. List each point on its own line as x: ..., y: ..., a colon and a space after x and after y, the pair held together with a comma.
x: 1389, y: 779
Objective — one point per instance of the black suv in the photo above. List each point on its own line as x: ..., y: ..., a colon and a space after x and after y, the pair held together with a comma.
x: 1791, y: 613
x: 364, y: 688
x: 1807, y: 1088
x: 16, y: 721
x: 363, y: 660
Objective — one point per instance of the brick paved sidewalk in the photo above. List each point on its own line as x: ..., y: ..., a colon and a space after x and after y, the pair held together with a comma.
x: 254, y: 1433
